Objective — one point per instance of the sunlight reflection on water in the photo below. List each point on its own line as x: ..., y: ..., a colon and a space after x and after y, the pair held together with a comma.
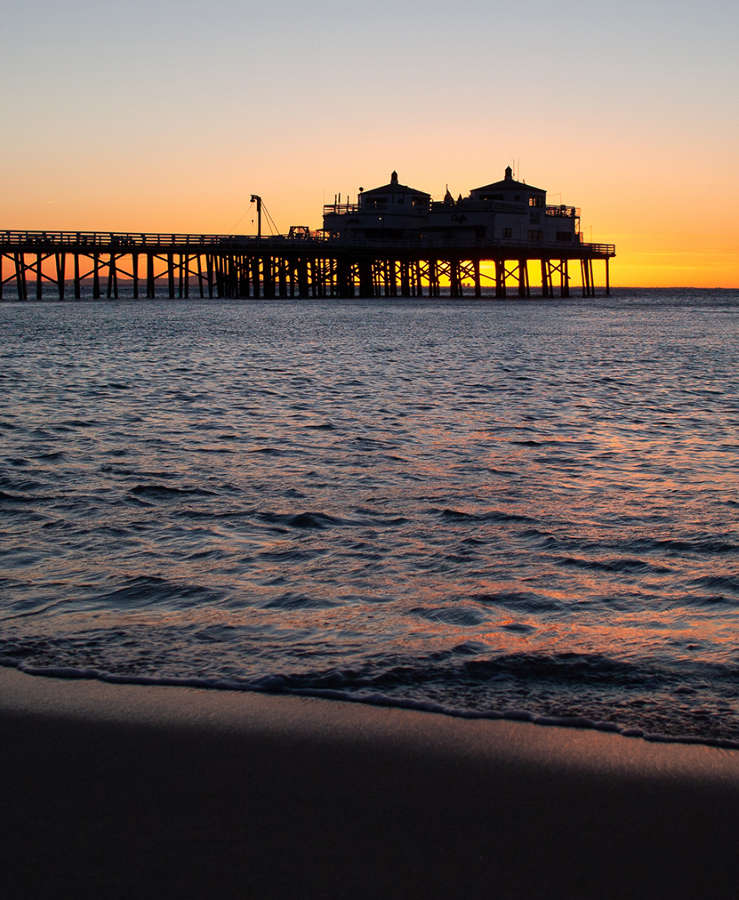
x: 483, y: 507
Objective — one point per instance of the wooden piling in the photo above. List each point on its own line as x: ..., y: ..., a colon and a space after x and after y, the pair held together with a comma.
x: 255, y: 275
x: 20, y: 276
x: 282, y: 277
x: 59, y: 260
x: 406, y: 277
x: 150, y: 283
x: 500, y: 273
x: 170, y: 274
x: 96, y: 276
x: 433, y: 278
x: 209, y: 273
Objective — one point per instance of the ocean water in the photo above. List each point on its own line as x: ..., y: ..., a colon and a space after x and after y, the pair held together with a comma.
x: 488, y: 508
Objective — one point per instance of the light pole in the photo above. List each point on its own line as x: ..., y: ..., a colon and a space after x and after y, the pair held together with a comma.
x: 255, y: 198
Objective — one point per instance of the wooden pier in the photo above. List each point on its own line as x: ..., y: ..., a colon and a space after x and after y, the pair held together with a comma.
x: 55, y: 264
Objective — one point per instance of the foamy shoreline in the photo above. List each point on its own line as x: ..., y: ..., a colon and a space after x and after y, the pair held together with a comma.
x: 579, y: 723
x: 123, y: 790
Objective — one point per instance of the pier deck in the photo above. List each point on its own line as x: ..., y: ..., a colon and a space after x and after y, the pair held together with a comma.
x: 45, y: 264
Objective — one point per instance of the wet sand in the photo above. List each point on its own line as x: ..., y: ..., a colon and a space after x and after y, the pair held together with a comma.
x: 141, y: 791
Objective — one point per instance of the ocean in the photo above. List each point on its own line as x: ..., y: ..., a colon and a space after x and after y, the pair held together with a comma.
x: 523, y: 508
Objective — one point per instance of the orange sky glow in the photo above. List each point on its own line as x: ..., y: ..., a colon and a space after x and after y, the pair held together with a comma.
x: 173, y: 127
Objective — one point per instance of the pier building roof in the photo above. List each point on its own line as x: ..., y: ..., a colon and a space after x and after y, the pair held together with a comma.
x: 394, y: 187
x: 508, y: 184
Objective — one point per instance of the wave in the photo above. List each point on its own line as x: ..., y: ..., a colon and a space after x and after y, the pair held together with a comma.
x: 615, y: 564
x: 676, y: 547
x: 450, y: 615
x: 164, y: 492
x: 491, y: 515
x: 308, y: 520
x: 728, y: 583
x: 291, y: 601
x: 320, y: 520
x: 517, y: 600
x: 148, y: 590
x: 7, y: 497
x: 277, y: 685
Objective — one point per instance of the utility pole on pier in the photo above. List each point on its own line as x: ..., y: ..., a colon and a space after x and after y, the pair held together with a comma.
x: 255, y: 198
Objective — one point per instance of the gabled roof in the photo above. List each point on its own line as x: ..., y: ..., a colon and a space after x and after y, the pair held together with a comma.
x: 394, y: 188
x: 508, y: 184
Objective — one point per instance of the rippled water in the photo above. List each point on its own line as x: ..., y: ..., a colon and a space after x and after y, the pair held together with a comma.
x: 484, y: 507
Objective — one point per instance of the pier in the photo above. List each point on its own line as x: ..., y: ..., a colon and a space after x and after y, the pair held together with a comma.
x: 55, y: 264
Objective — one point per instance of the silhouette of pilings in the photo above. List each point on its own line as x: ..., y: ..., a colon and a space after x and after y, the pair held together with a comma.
x: 57, y: 264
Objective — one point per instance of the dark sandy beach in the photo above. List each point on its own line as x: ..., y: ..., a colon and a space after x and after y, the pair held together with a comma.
x: 130, y: 791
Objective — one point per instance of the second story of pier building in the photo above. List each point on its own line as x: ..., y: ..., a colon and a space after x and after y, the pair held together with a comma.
x: 505, y: 211
x: 383, y: 213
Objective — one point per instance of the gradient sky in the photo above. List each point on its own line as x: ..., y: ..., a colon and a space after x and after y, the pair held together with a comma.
x: 164, y: 116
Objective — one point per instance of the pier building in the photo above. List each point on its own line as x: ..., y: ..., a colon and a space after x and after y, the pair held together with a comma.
x: 393, y: 240
x: 504, y: 211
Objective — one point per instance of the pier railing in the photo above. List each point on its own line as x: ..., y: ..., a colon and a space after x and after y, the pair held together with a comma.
x: 340, y: 209
x: 108, y: 238
x: 563, y: 211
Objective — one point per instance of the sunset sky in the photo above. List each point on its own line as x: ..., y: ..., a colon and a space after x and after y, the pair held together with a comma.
x: 164, y: 116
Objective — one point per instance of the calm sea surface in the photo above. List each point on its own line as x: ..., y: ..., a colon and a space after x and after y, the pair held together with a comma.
x: 489, y: 508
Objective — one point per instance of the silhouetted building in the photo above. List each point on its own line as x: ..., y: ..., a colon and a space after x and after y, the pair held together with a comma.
x: 393, y: 211
x: 501, y: 212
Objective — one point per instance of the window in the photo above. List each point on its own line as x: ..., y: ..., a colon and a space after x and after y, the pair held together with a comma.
x: 534, y: 234
x: 507, y: 232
